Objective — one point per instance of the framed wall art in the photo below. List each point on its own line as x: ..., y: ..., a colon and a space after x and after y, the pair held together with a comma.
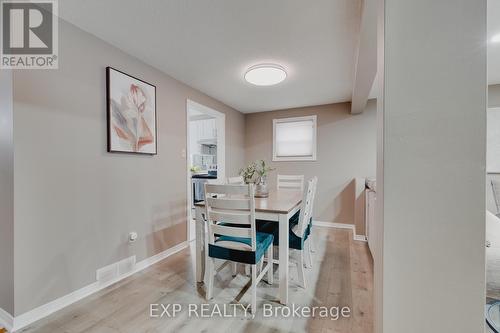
x: 131, y: 114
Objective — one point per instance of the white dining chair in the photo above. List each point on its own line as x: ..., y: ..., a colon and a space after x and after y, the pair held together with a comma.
x: 298, y: 236
x: 232, y: 236
x: 290, y: 182
x: 312, y: 244
x: 237, y: 180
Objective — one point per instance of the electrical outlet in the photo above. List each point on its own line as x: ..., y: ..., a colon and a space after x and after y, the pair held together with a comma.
x: 132, y: 237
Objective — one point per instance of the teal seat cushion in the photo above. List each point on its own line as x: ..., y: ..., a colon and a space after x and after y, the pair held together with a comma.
x: 263, y: 241
x: 294, y: 241
x: 259, y: 224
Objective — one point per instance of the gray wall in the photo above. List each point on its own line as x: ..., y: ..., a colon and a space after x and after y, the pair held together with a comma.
x: 432, y: 193
x: 6, y: 194
x: 346, y: 149
x: 75, y: 203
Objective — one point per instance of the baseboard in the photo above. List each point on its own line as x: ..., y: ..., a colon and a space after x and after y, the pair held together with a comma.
x: 6, y: 320
x: 336, y: 225
x: 160, y: 256
x: 361, y: 238
x: 45, y: 310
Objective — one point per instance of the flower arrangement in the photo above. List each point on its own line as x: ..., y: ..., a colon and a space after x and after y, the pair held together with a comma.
x: 256, y: 172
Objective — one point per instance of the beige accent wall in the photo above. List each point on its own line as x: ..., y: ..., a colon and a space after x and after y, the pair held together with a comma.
x: 346, y: 150
x: 75, y: 203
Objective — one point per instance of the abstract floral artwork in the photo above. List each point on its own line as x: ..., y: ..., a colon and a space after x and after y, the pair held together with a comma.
x: 131, y: 114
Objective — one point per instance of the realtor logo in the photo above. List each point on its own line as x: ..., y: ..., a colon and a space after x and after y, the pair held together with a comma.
x: 29, y: 36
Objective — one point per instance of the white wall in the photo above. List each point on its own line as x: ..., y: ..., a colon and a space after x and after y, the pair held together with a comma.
x: 433, y: 110
x: 6, y: 194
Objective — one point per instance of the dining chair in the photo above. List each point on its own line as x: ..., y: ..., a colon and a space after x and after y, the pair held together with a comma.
x: 297, y: 182
x: 312, y: 243
x: 291, y: 182
x: 298, y: 235
x: 237, y: 180
x: 232, y: 236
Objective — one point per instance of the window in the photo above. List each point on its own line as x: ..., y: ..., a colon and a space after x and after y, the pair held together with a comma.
x: 294, y: 139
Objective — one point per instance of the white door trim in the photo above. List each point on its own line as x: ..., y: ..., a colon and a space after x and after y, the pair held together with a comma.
x: 221, y: 150
x: 6, y: 320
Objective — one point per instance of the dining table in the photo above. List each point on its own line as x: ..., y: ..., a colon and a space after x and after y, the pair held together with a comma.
x: 278, y: 207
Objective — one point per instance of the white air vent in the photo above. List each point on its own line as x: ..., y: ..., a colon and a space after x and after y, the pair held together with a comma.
x: 126, y: 265
x: 113, y: 271
x: 107, y: 273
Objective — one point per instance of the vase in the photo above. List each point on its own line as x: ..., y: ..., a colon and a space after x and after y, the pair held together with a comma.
x: 261, y: 190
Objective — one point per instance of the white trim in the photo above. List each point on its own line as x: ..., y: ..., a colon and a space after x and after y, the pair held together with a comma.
x: 159, y: 257
x: 336, y: 225
x: 314, y: 119
x: 360, y: 238
x: 47, y: 309
x: 221, y: 152
x: 6, y: 320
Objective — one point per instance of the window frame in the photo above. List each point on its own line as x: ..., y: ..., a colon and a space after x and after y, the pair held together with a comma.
x: 314, y: 143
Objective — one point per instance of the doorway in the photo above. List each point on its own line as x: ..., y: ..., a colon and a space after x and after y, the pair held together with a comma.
x: 205, y: 154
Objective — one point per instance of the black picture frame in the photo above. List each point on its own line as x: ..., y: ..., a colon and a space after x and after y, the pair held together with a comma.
x: 109, y: 128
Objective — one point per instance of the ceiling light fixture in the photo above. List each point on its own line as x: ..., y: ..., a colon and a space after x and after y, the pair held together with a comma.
x: 265, y: 74
x: 495, y: 39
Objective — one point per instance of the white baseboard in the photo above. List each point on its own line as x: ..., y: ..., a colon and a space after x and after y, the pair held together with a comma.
x: 6, y: 320
x: 361, y: 238
x: 356, y: 237
x: 45, y: 310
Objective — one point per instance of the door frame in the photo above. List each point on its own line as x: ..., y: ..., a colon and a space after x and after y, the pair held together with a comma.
x: 221, y: 152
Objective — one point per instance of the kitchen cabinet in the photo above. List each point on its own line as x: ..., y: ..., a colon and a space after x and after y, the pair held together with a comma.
x: 206, y: 129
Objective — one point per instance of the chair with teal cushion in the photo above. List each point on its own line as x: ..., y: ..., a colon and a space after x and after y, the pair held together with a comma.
x: 232, y: 236
x: 299, y: 231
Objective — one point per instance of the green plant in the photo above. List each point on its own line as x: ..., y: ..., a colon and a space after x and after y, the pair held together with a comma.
x: 255, y: 172
x: 195, y: 168
x: 262, y: 171
x: 248, y: 173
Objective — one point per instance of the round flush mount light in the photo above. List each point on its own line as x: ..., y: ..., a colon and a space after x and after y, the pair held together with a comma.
x: 265, y: 74
x: 495, y: 38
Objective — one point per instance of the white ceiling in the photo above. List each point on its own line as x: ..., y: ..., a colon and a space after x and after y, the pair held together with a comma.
x: 493, y: 48
x: 209, y: 44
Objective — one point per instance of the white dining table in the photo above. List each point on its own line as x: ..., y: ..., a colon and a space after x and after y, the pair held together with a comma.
x: 279, y: 207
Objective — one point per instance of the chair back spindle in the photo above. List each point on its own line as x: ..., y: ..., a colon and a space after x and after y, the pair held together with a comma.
x: 230, y: 211
x: 291, y: 182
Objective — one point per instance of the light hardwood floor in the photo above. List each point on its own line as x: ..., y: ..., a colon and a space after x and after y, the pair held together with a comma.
x: 342, y: 275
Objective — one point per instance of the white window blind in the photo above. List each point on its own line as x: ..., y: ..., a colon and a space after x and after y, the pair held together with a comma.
x: 294, y: 139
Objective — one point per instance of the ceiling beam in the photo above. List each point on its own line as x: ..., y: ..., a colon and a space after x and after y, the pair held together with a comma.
x: 366, y: 62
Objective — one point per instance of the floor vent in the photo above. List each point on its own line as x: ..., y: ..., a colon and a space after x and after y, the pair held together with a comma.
x: 113, y: 271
